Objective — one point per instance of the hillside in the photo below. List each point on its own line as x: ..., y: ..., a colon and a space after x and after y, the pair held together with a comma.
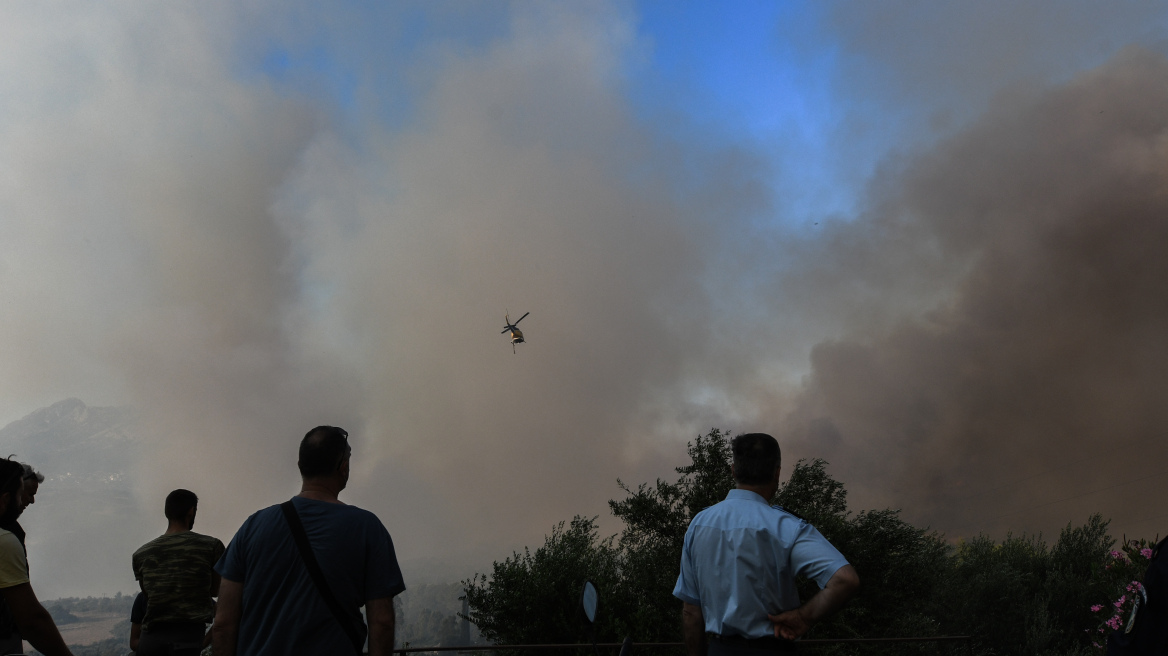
x: 86, y: 521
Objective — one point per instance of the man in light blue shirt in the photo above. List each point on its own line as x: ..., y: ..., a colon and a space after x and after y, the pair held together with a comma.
x: 740, y: 560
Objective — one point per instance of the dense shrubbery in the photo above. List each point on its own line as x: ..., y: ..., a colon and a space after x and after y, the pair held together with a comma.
x: 1016, y: 596
x: 61, y: 615
x: 119, y: 603
x: 64, y: 611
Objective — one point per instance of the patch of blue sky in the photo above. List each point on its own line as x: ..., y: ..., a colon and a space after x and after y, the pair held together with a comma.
x: 315, y: 67
x: 734, y: 77
x: 365, y: 61
x: 721, y: 75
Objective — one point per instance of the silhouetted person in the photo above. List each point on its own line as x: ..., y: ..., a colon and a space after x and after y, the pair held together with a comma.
x: 32, y: 484
x: 176, y: 571
x: 271, y: 604
x: 9, y: 636
x: 137, y: 614
x: 739, y: 563
x: 31, y: 620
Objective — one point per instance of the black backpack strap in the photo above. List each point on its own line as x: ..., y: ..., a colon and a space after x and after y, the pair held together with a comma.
x: 317, y: 575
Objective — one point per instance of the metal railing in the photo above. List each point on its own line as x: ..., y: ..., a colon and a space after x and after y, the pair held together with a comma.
x: 811, y: 643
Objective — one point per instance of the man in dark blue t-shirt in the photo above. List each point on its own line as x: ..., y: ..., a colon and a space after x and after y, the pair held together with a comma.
x: 269, y: 604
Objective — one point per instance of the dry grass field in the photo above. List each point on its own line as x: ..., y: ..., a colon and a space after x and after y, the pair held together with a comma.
x: 94, y: 627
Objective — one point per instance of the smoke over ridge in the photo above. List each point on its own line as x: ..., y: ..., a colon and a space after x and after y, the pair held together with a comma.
x: 242, y: 260
x: 1042, y: 376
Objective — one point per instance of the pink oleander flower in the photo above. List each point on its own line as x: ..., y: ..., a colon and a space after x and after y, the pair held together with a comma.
x: 1146, y: 553
x: 1118, y: 555
x: 1096, y: 608
x: 1113, y: 623
x: 1120, y: 601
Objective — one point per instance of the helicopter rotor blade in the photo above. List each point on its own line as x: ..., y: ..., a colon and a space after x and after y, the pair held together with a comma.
x: 505, y: 330
x: 521, y: 318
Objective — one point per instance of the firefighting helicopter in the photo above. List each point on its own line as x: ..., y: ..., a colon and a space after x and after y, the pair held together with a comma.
x: 516, y: 334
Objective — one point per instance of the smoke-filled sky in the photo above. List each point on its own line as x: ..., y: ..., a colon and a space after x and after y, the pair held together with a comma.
x: 924, y: 241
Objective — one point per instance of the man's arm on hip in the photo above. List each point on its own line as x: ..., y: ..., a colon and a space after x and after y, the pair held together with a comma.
x: 227, y: 615
x: 693, y: 628
x: 379, y: 613
x: 33, y: 621
x: 840, y: 588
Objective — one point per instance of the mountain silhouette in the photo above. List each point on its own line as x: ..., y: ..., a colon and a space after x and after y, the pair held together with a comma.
x: 86, y: 521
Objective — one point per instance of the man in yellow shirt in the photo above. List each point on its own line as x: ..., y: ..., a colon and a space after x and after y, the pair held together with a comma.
x: 32, y: 620
x: 10, y: 641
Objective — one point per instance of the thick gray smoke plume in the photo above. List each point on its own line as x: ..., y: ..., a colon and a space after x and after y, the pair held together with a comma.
x: 1034, y: 393
x: 140, y: 262
x: 240, y: 266
x: 241, y: 259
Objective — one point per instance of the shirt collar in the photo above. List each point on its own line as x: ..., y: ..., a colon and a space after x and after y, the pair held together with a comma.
x: 746, y: 495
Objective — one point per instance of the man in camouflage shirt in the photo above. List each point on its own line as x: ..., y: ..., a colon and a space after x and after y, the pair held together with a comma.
x: 176, y: 573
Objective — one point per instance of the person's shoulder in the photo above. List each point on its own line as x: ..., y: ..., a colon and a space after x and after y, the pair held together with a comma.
x: 13, y: 565
x: 148, y: 547
x: 12, y: 560
x: 316, y: 506
x: 365, y: 522
x: 337, y: 515
x: 360, y: 515
x: 202, y: 540
x: 264, y: 515
x: 706, y: 512
x: 259, y: 521
x: 710, y: 513
x: 787, y: 511
x: 8, y: 540
x: 357, y: 510
x: 790, y: 523
x: 202, y: 537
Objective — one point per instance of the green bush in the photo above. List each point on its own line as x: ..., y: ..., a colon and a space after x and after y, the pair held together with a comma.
x: 1014, y: 596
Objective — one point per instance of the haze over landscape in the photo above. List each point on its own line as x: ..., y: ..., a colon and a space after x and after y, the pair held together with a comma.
x: 922, y: 241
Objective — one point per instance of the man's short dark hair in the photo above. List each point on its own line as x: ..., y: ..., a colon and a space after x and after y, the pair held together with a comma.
x: 322, y: 451
x: 755, y: 457
x: 179, y: 503
x: 11, y: 475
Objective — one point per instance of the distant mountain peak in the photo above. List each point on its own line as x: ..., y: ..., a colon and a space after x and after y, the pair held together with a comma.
x: 88, y: 455
x: 71, y: 436
x: 71, y: 408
